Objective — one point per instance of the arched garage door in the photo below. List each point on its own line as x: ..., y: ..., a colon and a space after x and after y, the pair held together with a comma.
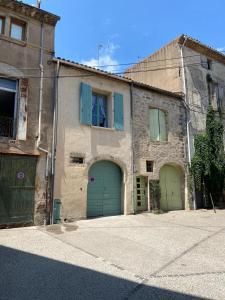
x: 170, y: 187
x: 104, y: 189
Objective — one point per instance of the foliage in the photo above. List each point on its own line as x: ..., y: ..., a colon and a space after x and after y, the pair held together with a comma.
x: 208, y: 162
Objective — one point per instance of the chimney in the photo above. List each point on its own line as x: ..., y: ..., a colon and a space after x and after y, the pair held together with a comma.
x: 38, y: 3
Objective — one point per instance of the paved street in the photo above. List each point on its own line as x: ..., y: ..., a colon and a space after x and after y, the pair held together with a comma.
x: 178, y: 255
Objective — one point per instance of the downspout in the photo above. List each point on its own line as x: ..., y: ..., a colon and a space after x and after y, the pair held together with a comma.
x: 54, y: 138
x: 40, y: 116
x: 41, y: 89
x: 187, y: 110
x: 132, y: 146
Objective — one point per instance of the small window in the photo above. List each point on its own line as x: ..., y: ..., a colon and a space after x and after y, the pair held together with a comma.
x: 99, y: 110
x: 149, y: 166
x: 78, y: 160
x: 206, y: 62
x: 209, y: 64
x: 157, y: 125
x: 18, y: 29
x: 2, y: 25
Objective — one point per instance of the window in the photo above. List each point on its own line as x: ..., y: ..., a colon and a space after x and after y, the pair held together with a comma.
x: 157, y: 125
x: 17, y: 29
x: 99, y: 110
x: 206, y: 62
x: 7, y: 107
x: 2, y: 25
x: 77, y: 160
x: 149, y: 166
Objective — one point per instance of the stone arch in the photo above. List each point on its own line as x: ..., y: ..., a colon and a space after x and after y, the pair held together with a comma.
x: 111, y: 158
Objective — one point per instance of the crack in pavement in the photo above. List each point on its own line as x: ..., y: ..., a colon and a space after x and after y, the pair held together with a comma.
x: 143, y: 279
x: 187, y: 251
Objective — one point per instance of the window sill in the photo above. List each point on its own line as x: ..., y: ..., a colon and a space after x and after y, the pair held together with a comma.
x: 103, y: 128
x: 159, y: 142
x: 12, y: 40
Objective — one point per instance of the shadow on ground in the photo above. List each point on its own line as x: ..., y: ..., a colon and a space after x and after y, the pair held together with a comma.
x: 27, y: 276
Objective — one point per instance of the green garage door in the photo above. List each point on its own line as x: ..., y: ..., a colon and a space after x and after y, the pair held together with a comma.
x: 17, y: 187
x: 104, y: 190
x: 170, y: 187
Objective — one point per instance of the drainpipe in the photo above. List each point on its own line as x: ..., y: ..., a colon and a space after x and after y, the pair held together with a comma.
x: 187, y: 111
x: 41, y: 89
x: 132, y: 146
x: 54, y: 139
x: 40, y: 115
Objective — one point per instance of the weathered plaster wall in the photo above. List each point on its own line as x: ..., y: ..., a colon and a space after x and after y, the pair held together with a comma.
x: 160, y: 69
x: 197, y: 89
x: 17, y: 60
x: 171, y: 152
x: 93, y: 142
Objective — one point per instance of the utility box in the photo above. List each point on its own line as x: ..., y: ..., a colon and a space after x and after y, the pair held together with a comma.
x: 57, y: 211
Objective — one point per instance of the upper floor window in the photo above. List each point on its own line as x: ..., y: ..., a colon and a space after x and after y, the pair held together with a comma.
x: 8, y: 89
x: 206, y: 63
x: 2, y: 25
x: 157, y: 125
x: 99, y: 110
x: 18, y: 29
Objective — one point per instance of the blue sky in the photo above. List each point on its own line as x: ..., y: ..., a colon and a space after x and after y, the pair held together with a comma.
x: 129, y: 30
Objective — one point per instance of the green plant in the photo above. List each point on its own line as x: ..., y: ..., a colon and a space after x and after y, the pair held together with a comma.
x: 208, y: 163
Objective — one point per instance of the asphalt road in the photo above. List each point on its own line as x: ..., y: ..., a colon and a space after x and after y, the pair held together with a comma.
x: 178, y: 255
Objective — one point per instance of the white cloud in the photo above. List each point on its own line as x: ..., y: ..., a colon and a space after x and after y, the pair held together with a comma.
x: 106, y: 62
x: 221, y: 49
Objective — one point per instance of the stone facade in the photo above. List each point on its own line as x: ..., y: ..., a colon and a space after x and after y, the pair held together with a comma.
x: 20, y: 61
x: 171, y: 152
x: 186, y: 66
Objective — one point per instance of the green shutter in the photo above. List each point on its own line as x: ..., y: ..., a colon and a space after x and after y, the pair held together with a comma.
x: 118, y: 111
x: 154, y: 124
x: 162, y: 126
x: 85, y: 104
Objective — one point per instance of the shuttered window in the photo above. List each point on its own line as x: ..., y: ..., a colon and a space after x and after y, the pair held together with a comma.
x: 118, y: 111
x: 157, y: 125
x: 96, y: 108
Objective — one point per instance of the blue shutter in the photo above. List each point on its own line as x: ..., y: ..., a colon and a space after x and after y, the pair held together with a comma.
x: 118, y: 111
x: 85, y: 104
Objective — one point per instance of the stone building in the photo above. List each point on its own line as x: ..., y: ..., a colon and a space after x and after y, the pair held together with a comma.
x: 107, y: 158
x: 158, y: 118
x: 94, y: 143
x: 187, y: 66
x: 26, y: 111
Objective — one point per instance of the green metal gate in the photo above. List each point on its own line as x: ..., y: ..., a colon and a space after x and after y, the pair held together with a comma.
x: 17, y: 188
x: 104, y: 189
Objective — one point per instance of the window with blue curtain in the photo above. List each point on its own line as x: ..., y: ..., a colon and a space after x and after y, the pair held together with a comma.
x: 99, y: 110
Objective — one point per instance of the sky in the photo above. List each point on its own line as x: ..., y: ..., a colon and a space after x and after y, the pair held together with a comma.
x: 111, y: 32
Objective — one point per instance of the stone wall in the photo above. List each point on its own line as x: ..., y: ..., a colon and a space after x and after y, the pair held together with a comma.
x: 172, y: 151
